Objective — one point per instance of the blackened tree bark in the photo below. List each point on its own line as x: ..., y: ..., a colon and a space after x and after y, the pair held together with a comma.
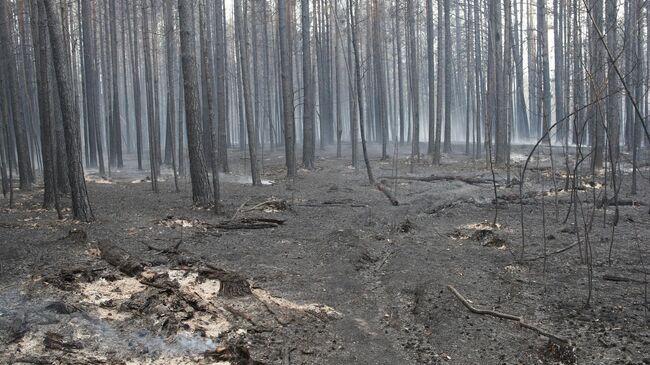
x: 448, y: 77
x: 39, y: 38
x: 201, y: 194
x: 125, y: 75
x: 206, y: 66
x: 308, y: 139
x: 415, y: 77
x: 242, y: 33
x: 596, y: 92
x: 439, y: 87
x: 19, y: 122
x: 523, y: 130
x: 135, y: 65
x: 380, y: 77
x: 90, y: 82
x: 171, y: 85
x: 359, y: 89
x: 285, y: 11
x: 117, y: 123
x: 546, y: 75
x: 558, y: 48
x: 222, y: 109
x: 354, y: 122
x: 80, y: 203
x: 400, y: 72
x: 432, y: 85
x: 151, y: 108
x: 613, y: 84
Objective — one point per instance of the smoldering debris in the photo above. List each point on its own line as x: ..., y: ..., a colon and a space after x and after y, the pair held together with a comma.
x: 171, y: 315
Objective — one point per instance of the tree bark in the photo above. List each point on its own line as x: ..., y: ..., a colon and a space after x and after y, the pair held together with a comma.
x: 201, y: 194
x: 308, y: 153
x: 415, y: 85
x: 242, y: 33
x: 222, y: 110
x: 432, y: 86
x: 80, y: 203
x: 19, y: 122
x: 285, y: 33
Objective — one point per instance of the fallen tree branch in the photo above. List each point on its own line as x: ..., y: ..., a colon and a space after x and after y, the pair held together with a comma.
x: 554, y: 252
x: 239, y: 209
x: 520, y: 320
x: 449, y: 204
x: 249, y: 224
x: 333, y: 203
x: 388, y: 194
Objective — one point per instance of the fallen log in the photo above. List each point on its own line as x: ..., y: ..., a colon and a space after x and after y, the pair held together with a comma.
x: 623, y: 279
x: 245, y: 225
x: 611, y: 202
x: 55, y: 341
x: 119, y: 258
x: 434, y: 178
x: 551, y: 336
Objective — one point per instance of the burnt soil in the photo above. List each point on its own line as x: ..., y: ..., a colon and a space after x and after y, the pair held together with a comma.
x: 341, y: 277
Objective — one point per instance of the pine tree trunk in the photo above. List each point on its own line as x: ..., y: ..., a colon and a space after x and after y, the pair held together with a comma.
x: 19, y: 122
x: 308, y: 152
x: 201, y: 194
x: 448, y: 77
x: 222, y: 109
x: 415, y: 86
x: 39, y: 38
x: 171, y: 73
x: 285, y: 11
x: 135, y: 65
x: 80, y: 204
x: 242, y: 32
x: 151, y: 90
x: 380, y: 80
x: 431, y: 149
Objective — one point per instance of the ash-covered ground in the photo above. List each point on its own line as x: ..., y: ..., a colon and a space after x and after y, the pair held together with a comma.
x: 324, y: 270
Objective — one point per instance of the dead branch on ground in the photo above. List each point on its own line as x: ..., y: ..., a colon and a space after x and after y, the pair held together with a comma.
x: 520, y: 320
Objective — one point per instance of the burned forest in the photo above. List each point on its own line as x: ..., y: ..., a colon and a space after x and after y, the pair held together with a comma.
x: 324, y: 182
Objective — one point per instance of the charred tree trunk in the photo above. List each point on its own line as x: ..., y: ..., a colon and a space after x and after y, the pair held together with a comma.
x: 151, y: 90
x: 171, y: 85
x: 431, y: 150
x: 40, y: 42
x: 80, y: 204
x: 285, y: 11
x: 17, y: 111
x: 221, y: 88
x: 380, y: 79
x: 308, y: 140
x: 117, y: 124
x: 415, y: 85
x: 206, y: 66
x: 201, y: 194
x: 242, y: 32
x: 135, y: 64
x: 448, y: 77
